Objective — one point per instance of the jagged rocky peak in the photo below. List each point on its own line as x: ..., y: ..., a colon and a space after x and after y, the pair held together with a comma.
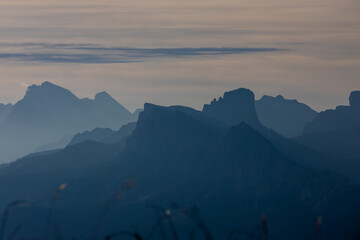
x: 234, y: 107
x: 242, y: 95
x: 354, y: 99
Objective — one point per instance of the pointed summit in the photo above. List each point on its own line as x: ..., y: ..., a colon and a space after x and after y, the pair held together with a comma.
x: 103, y: 96
x: 104, y: 101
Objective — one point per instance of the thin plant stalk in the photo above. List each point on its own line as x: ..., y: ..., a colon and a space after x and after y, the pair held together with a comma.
x: 135, y: 235
x: 117, y: 195
x: 192, y: 215
x: 13, y: 234
x: 51, y: 209
x: 318, y: 228
x: 6, y: 215
x: 250, y: 235
x: 152, y: 231
x: 166, y: 215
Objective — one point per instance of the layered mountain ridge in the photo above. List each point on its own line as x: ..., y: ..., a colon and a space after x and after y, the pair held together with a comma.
x: 221, y: 159
x: 286, y: 117
x: 336, y: 131
x: 48, y: 112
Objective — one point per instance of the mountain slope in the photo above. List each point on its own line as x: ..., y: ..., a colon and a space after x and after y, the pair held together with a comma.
x: 232, y: 176
x: 286, y: 117
x: 48, y: 113
x: 239, y: 105
x: 104, y: 135
x: 37, y: 173
x: 336, y: 131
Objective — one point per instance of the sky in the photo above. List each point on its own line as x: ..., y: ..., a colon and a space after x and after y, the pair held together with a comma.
x: 182, y: 52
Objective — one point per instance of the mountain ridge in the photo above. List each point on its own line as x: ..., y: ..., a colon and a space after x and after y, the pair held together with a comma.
x: 336, y: 131
x: 218, y: 157
x: 287, y: 117
x: 48, y: 113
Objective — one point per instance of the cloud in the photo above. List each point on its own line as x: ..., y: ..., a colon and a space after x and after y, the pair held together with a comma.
x: 46, y: 45
x: 64, y: 58
x: 95, y: 53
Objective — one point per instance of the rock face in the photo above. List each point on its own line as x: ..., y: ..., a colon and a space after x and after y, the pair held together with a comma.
x: 286, y: 117
x: 49, y: 112
x: 336, y: 131
x: 234, y: 107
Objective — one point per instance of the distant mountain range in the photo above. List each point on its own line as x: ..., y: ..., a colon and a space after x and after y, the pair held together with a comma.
x: 222, y: 159
x: 336, y: 131
x: 104, y: 135
x: 48, y: 113
x: 286, y: 117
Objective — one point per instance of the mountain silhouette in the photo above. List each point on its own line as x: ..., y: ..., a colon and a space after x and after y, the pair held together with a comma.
x: 175, y: 157
x: 234, y: 107
x: 58, y: 144
x: 48, y: 113
x: 221, y: 159
x: 4, y: 110
x: 286, y: 117
x: 341, y: 118
x: 36, y: 173
x: 97, y: 135
x: 232, y: 174
x: 230, y: 112
x: 239, y: 106
x: 336, y: 131
x: 104, y: 135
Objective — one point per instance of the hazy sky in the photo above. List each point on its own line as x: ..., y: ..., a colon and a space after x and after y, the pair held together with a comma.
x: 170, y: 52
